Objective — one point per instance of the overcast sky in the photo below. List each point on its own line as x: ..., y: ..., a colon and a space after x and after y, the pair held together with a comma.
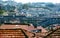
x: 27, y: 1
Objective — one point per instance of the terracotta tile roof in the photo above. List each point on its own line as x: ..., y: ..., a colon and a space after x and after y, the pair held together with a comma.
x: 27, y: 28
x: 13, y: 26
x: 11, y: 33
x: 15, y: 31
x: 54, y: 34
x: 9, y: 26
x: 29, y: 34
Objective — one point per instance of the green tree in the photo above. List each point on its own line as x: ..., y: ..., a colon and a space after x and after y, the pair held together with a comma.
x: 25, y: 6
x: 1, y: 12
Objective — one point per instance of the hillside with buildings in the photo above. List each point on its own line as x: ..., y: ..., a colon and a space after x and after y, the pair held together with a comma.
x: 33, y: 20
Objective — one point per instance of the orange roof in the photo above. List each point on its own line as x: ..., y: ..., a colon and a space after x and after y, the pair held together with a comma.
x: 54, y: 34
x: 13, y: 26
x: 22, y: 26
x: 11, y: 33
x: 14, y: 33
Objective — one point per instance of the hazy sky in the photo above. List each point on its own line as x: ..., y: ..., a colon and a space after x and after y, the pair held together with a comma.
x: 27, y: 1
